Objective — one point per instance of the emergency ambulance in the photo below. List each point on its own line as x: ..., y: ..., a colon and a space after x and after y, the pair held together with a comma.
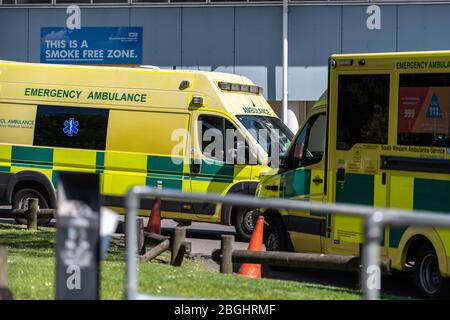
x: 379, y: 137
x: 133, y: 126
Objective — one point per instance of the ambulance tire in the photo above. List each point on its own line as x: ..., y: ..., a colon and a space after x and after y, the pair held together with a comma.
x: 275, y: 234
x: 426, y: 275
x: 245, y: 220
x: 19, y: 202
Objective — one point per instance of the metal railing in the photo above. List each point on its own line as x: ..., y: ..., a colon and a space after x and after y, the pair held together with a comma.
x: 375, y: 220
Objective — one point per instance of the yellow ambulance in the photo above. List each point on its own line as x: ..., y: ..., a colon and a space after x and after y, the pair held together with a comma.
x: 380, y: 137
x: 133, y: 126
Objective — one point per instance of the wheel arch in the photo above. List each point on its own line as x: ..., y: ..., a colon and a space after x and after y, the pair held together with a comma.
x: 32, y: 179
x: 275, y: 213
x: 242, y: 187
x: 414, y: 238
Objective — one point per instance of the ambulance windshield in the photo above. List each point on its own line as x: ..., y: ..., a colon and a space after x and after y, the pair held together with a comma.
x: 268, y: 131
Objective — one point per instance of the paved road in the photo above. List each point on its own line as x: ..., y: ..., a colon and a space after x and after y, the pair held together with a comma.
x: 204, y: 237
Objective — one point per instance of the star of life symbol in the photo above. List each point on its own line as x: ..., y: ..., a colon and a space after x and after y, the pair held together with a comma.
x: 71, y: 127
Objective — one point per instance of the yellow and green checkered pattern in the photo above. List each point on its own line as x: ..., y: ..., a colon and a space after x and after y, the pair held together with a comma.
x: 121, y: 170
x: 118, y: 170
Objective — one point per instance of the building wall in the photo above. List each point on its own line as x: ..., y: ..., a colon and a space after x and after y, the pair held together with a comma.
x: 245, y: 39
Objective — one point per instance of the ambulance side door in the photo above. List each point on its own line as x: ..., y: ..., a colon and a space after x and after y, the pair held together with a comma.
x: 360, y: 120
x: 212, y: 167
x: 303, y: 179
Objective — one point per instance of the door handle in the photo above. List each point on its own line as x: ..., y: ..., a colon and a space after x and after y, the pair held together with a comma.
x: 318, y: 180
x: 340, y: 176
x: 272, y: 188
x: 195, y: 167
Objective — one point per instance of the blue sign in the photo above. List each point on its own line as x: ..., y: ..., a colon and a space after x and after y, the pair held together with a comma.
x: 434, y: 110
x: 92, y: 45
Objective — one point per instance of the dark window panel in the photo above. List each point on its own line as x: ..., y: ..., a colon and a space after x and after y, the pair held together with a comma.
x: 72, y: 1
x: 110, y: 1
x: 150, y: 1
x: 215, y: 125
x: 310, y: 144
x: 8, y: 2
x: 33, y: 1
x: 71, y: 127
x: 178, y: 1
x: 363, y: 110
x: 228, y: 0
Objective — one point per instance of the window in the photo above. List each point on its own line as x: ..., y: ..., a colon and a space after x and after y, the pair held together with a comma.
x: 228, y: 0
x: 188, y: 1
x: 423, y: 110
x: 268, y: 131
x: 72, y: 1
x: 211, y: 138
x: 110, y: 1
x: 33, y: 1
x: 363, y: 110
x: 220, y: 140
x: 297, y: 152
x: 310, y: 144
x: 71, y: 127
x: 150, y: 1
x: 316, y: 140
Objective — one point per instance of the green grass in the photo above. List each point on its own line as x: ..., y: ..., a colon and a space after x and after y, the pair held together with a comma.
x: 32, y: 263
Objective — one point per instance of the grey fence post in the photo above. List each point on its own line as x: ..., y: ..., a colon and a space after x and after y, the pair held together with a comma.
x: 177, y: 248
x: 5, y: 292
x: 226, y: 250
x: 3, y: 268
x: 371, y: 271
x: 131, y: 281
x: 140, y: 236
x: 33, y: 208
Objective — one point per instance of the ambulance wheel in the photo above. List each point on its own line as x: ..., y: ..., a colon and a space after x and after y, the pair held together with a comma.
x: 427, y: 278
x: 245, y: 220
x: 20, y: 201
x: 275, y: 234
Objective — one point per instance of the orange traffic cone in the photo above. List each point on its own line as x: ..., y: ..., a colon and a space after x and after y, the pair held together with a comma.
x: 154, y: 222
x: 252, y: 270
